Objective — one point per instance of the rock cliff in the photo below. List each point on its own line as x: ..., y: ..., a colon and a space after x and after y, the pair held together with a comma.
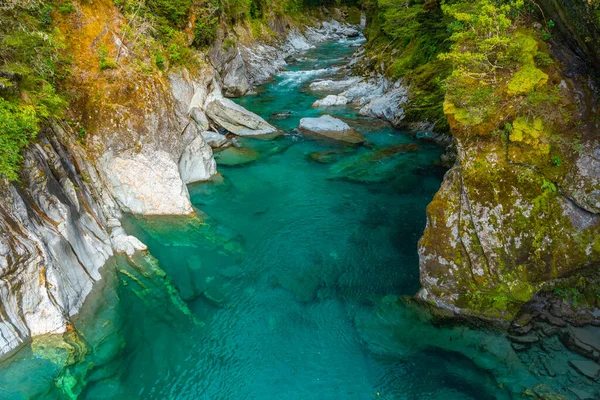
x: 520, y: 209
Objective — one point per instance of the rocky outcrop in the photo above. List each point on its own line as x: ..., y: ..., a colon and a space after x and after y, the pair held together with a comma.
x: 376, y: 97
x: 59, y: 227
x: 327, y: 127
x: 518, y: 211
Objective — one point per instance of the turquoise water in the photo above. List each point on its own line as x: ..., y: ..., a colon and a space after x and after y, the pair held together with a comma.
x: 288, y: 284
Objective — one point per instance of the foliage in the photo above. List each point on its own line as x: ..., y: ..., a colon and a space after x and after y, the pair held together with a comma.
x: 407, y: 37
x: 18, y: 126
x: 104, y: 60
x: 205, y: 31
x: 32, y: 66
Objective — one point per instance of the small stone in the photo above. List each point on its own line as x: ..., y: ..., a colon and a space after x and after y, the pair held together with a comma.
x: 281, y: 115
x: 586, y: 367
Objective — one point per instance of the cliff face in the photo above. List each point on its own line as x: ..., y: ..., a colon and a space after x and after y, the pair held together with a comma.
x: 135, y: 137
x: 521, y: 207
x: 59, y: 227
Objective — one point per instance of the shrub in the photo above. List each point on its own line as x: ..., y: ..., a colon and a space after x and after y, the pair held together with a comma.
x: 18, y: 126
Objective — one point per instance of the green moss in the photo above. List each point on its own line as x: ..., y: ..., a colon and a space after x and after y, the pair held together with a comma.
x: 527, y: 79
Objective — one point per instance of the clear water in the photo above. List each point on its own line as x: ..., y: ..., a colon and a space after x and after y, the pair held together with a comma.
x: 287, y: 285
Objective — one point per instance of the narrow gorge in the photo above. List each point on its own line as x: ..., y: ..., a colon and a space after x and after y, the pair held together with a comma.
x: 299, y: 199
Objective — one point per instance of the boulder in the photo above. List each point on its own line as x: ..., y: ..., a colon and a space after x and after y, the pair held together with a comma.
x: 147, y: 184
x: 331, y: 100
x: 199, y: 118
x: 197, y: 163
x: 331, y: 128
x: 235, y: 118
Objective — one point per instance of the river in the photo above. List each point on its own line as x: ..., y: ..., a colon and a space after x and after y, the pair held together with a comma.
x: 292, y: 282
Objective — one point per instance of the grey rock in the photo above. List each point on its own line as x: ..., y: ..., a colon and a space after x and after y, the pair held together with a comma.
x: 586, y: 367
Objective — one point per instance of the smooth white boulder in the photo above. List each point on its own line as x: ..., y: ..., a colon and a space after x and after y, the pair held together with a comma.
x: 331, y: 100
x: 197, y: 163
x: 147, y: 184
x: 332, y: 128
x: 199, y: 118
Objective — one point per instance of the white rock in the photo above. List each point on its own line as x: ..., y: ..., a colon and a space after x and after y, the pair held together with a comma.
x: 327, y: 127
x: 199, y: 118
x: 235, y: 118
x: 331, y: 100
x: 147, y: 184
x: 363, y: 92
x: 324, y: 123
x: 197, y: 162
x: 388, y: 106
x: 124, y: 243
x: 214, y: 139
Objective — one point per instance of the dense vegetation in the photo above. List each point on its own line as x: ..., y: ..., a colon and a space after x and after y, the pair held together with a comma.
x: 31, y: 69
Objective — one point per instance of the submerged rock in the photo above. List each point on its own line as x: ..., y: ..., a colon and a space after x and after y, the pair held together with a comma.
x: 331, y: 128
x: 587, y: 368
x: 380, y: 165
x: 327, y: 157
x: 232, y: 156
x: 331, y: 100
x: 278, y: 116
